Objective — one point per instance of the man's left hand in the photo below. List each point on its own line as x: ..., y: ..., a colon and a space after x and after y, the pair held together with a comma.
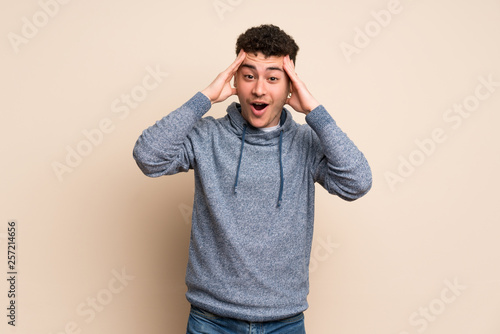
x: 301, y: 99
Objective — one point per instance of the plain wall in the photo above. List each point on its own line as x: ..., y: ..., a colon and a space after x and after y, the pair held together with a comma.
x: 101, y: 248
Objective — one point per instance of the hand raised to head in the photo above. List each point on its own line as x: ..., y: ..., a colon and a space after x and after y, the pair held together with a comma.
x: 301, y: 99
x: 220, y: 89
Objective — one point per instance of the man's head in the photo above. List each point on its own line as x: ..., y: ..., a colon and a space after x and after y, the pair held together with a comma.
x: 261, y: 81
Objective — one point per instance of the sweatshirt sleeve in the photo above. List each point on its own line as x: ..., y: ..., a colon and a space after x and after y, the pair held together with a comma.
x: 163, y: 148
x: 343, y: 169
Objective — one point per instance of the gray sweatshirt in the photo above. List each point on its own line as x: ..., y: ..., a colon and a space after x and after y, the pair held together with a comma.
x: 253, y: 213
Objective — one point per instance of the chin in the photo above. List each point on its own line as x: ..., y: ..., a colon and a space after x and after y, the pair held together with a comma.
x: 264, y: 120
x: 258, y: 124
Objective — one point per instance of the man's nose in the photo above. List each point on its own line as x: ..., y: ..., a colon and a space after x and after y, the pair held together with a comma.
x: 259, y: 88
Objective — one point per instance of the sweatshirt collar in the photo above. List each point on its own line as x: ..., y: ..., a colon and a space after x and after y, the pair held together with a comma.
x: 236, y: 123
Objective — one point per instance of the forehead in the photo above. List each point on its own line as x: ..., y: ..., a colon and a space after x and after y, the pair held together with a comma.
x: 261, y: 62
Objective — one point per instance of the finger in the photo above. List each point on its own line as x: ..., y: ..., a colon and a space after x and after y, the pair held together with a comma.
x: 237, y: 62
x: 289, y: 68
x: 290, y: 61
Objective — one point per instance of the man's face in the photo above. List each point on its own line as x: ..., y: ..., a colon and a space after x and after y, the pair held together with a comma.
x: 262, y: 86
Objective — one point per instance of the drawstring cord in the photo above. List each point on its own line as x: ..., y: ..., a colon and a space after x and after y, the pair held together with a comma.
x: 282, y: 179
x: 241, y: 156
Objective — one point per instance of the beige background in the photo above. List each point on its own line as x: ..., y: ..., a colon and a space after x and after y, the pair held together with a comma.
x: 380, y: 265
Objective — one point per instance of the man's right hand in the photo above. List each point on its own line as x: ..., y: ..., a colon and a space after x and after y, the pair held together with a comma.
x: 220, y: 89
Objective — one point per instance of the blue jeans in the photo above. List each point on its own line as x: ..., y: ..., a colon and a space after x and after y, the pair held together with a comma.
x: 203, y: 322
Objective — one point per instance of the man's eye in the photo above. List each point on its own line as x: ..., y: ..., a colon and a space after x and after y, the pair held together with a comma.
x: 273, y: 79
x: 248, y: 76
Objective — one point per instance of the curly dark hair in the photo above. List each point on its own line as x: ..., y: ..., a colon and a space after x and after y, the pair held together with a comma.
x: 268, y: 39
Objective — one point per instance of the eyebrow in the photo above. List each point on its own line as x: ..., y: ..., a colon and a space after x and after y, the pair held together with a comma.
x: 270, y: 68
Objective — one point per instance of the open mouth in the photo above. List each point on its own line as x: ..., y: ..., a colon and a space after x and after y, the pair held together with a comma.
x: 258, y: 107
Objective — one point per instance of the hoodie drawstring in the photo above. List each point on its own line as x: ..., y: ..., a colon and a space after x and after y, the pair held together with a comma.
x: 241, y: 156
x: 282, y: 179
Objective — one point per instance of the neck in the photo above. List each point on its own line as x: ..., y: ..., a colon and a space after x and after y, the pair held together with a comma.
x: 270, y: 128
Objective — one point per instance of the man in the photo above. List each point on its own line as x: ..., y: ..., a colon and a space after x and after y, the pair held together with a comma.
x: 254, y: 170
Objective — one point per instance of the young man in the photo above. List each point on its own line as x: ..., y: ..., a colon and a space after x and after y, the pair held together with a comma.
x: 254, y: 170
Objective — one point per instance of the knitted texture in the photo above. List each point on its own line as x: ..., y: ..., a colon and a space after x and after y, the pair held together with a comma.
x: 249, y: 257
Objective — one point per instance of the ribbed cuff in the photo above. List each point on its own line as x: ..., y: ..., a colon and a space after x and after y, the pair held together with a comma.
x: 199, y: 103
